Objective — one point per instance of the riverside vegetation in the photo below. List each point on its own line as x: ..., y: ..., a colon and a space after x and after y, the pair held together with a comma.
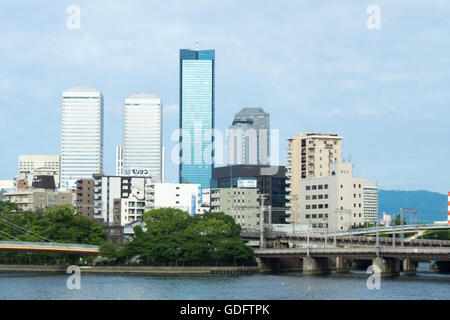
x: 169, y: 237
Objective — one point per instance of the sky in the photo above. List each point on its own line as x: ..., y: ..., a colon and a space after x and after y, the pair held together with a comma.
x: 314, y: 65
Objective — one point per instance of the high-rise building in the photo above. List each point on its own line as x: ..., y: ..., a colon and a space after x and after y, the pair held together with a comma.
x: 81, y: 134
x: 119, y: 161
x: 39, y: 165
x: 196, y: 116
x: 338, y: 201
x: 142, y: 136
x: 248, y: 138
x: 309, y: 156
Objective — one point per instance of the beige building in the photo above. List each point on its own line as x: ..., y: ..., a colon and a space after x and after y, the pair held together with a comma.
x: 38, y: 165
x: 241, y: 203
x: 309, y: 156
x: 337, y: 201
x: 33, y: 199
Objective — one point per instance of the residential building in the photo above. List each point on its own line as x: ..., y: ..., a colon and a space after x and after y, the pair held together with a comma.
x: 183, y: 196
x: 42, y: 165
x: 81, y: 135
x: 34, y: 199
x: 370, y: 203
x: 240, y: 203
x: 119, y: 161
x: 85, y: 197
x: 309, y: 156
x: 335, y: 202
x: 269, y: 181
x: 142, y: 136
x: 107, y: 189
x: 248, y: 138
x: 197, y: 94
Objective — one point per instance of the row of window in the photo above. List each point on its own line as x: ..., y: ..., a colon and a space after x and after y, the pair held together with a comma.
x: 314, y: 197
x: 317, y: 206
x: 318, y: 187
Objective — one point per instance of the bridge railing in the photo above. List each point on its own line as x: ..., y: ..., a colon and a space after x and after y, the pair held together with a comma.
x: 48, y: 245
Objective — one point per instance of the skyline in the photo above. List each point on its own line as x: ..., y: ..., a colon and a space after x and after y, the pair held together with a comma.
x: 379, y: 89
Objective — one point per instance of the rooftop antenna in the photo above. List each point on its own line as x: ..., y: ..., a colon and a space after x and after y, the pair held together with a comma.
x: 196, y: 45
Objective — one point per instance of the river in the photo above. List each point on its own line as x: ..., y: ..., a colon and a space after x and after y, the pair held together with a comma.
x: 26, y: 285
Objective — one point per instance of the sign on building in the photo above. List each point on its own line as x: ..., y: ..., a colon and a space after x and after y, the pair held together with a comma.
x: 247, y: 183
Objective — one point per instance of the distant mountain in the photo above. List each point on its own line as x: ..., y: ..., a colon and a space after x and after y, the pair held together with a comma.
x: 432, y: 206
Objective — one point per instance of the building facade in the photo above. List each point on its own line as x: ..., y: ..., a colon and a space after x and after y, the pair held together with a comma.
x: 142, y: 136
x: 269, y: 181
x: 42, y: 165
x: 183, y: 196
x: 240, y: 203
x: 34, y: 199
x: 248, y: 138
x: 85, y: 197
x: 309, y: 156
x: 81, y: 135
x: 197, y: 95
x: 336, y: 202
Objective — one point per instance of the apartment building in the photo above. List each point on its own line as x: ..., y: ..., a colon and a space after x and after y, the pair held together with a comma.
x: 336, y: 202
x: 240, y: 203
x: 183, y: 196
x: 309, y: 156
x: 38, y: 165
x: 85, y: 197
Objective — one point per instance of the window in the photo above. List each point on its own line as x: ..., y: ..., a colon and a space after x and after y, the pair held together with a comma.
x: 320, y: 215
x: 314, y: 216
x: 320, y: 186
x: 307, y: 216
x: 307, y: 188
x: 314, y: 206
x: 325, y: 186
x: 320, y: 206
x: 307, y: 197
x: 314, y: 197
x: 326, y: 196
x: 308, y: 206
x: 326, y: 206
x: 314, y: 187
x: 320, y: 196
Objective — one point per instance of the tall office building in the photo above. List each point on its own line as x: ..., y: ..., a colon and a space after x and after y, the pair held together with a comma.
x: 248, y: 138
x: 142, y: 136
x: 309, y: 156
x: 196, y: 116
x: 81, y: 134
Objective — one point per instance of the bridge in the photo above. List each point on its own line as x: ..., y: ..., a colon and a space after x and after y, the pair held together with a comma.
x: 388, y: 260
x: 49, y: 247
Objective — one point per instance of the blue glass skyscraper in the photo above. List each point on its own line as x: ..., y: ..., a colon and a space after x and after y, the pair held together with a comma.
x: 196, y: 116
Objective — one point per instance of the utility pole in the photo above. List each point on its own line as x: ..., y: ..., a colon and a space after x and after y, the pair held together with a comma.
x: 378, y: 239
x: 261, y: 222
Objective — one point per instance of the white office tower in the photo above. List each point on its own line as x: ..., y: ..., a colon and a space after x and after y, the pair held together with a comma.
x: 142, y: 136
x: 81, y: 134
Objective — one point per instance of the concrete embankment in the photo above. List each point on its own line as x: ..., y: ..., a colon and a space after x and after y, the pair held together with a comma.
x: 132, y: 269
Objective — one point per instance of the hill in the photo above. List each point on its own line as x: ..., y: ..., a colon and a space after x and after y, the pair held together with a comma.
x: 432, y: 206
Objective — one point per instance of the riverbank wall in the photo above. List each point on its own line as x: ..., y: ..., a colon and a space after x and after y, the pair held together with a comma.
x: 132, y: 269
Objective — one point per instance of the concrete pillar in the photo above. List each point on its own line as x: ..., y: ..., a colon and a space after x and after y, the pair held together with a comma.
x: 409, y: 267
x: 387, y: 267
x: 440, y: 267
x: 342, y: 265
x: 315, y: 265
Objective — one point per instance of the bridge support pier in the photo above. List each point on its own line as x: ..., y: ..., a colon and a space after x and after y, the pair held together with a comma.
x: 409, y: 267
x: 315, y: 265
x: 342, y: 265
x: 387, y: 267
x: 267, y: 264
x: 440, y: 267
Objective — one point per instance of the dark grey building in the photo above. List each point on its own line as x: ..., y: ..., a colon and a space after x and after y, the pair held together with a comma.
x: 248, y: 138
x: 270, y: 180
